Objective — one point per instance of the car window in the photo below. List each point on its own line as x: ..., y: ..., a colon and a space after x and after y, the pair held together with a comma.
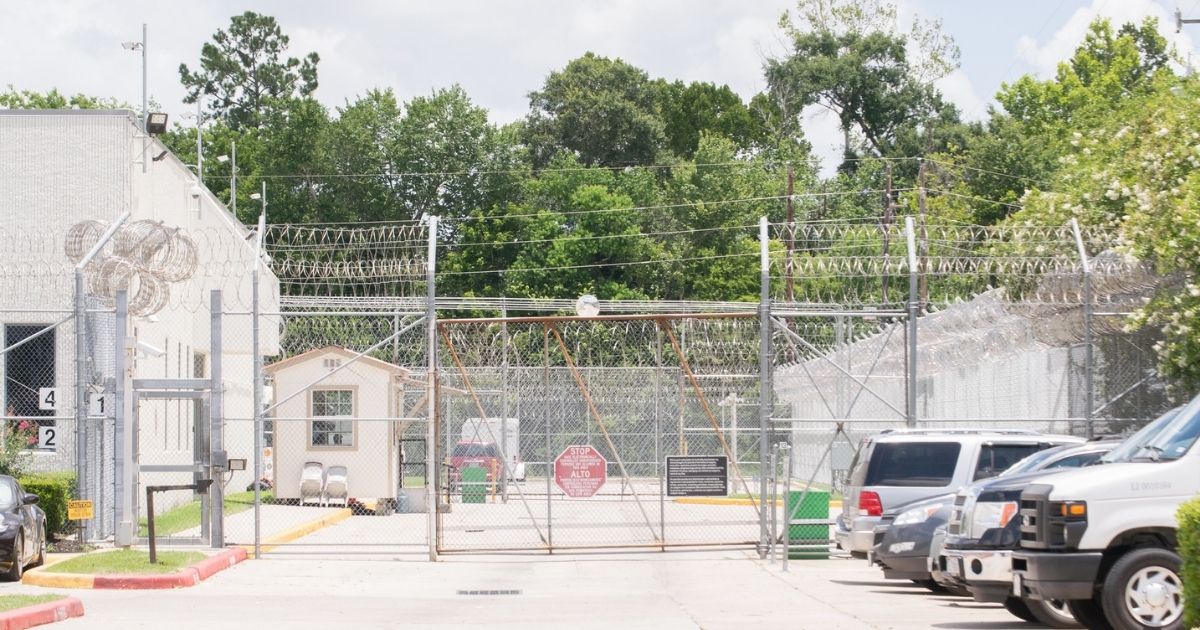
x: 8, y: 495
x: 475, y: 449
x: 1032, y: 462
x: 913, y: 464
x: 996, y: 458
x: 1132, y: 446
x: 1075, y: 461
x: 858, y: 465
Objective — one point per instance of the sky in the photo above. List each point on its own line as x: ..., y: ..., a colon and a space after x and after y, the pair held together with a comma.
x: 499, y: 51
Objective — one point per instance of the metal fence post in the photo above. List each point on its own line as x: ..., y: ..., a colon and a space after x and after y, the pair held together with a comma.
x: 764, y: 376
x: 216, y: 420
x: 914, y: 307
x: 82, y: 482
x: 256, y: 356
x: 122, y: 455
x: 1088, y: 358
x: 431, y: 463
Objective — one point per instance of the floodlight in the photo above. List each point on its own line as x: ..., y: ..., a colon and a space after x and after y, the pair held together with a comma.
x: 587, y: 306
x: 156, y: 123
x: 131, y: 45
x: 222, y: 158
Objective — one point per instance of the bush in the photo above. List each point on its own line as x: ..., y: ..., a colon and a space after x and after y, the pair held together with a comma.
x: 1189, y: 548
x: 54, y: 491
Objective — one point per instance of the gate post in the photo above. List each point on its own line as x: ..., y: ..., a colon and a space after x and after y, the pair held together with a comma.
x: 256, y: 356
x: 431, y: 462
x: 82, y: 481
x: 914, y: 307
x: 764, y: 377
x: 125, y: 513
x: 216, y: 425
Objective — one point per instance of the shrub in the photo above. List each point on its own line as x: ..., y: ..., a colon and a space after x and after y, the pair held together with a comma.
x: 1189, y: 548
x: 54, y: 491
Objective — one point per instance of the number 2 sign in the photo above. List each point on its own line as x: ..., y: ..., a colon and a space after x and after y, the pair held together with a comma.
x: 48, y: 438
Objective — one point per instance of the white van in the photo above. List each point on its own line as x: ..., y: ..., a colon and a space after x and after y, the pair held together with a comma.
x: 1103, y: 538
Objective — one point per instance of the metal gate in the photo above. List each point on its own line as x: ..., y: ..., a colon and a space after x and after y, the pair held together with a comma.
x: 632, y: 390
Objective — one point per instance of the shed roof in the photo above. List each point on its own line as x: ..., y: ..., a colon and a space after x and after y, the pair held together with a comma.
x: 340, y: 351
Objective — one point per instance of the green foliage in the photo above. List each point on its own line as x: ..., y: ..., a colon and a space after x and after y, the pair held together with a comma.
x: 243, y: 74
x: 13, y: 602
x: 851, y: 58
x: 27, y: 99
x: 602, y: 110
x: 1188, y: 517
x: 54, y: 490
x: 16, y: 438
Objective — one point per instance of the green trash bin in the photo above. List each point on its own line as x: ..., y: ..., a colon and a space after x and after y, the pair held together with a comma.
x: 474, y: 484
x: 808, y: 541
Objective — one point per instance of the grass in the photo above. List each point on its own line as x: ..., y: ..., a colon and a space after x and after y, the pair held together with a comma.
x: 187, y: 515
x: 13, y: 602
x: 126, y: 561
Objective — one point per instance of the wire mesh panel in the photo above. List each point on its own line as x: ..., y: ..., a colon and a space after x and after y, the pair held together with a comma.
x: 583, y: 415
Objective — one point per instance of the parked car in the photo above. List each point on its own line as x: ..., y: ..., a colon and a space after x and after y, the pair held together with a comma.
x: 485, y: 455
x: 23, y: 537
x: 903, y: 466
x: 1104, y: 539
x: 982, y: 533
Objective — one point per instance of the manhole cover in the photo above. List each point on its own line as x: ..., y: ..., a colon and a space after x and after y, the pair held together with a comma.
x: 491, y: 592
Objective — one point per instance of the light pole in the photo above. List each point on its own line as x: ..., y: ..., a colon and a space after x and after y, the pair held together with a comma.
x: 232, y: 176
x: 145, y: 99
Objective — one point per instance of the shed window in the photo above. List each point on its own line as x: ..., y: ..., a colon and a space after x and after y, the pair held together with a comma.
x: 333, y: 403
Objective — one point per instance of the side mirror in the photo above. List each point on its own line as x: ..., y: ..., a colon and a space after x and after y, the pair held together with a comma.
x: 31, y: 499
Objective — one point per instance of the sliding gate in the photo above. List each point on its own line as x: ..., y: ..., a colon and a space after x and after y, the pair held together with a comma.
x: 596, y: 409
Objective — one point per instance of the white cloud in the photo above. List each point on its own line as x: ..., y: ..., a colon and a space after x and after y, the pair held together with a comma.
x: 957, y: 87
x: 1043, y: 57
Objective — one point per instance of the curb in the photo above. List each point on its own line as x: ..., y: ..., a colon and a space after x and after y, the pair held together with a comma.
x: 40, y: 614
x: 299, y: 531
x: 728, y: 501
x: 188, y: 576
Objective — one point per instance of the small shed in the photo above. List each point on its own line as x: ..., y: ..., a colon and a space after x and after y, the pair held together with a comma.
x: 350, y: 417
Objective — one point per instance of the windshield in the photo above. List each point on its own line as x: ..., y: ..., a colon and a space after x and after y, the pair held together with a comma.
x: 8, y: 496
x: 1032, y: 462
x: 1177, y: 436
x: 1132, y: 447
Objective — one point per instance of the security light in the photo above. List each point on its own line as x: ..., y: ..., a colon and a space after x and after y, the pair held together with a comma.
x: 255, y: 196
x: 587, y: 306
x: 237, y: 464
x: 131, y: 45
x: 156, y: 123
x: 222, y: 158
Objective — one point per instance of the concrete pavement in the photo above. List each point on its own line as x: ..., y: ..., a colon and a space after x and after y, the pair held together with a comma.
x: 711, y: 589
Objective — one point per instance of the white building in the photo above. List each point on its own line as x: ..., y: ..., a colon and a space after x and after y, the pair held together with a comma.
x: 61, y: 169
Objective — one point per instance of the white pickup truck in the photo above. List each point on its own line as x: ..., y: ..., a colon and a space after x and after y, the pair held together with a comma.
x: 1103, y: 538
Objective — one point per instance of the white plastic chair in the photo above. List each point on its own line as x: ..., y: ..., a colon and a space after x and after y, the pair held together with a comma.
x: 312, y: 483
x: 336, y: 485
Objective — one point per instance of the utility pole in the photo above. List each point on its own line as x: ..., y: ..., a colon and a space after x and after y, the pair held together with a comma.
x: 791, y: 235
x: 889, y: 211
x: 923, y: 242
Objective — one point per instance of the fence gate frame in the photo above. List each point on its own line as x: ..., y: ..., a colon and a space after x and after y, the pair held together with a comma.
x: 665, y: 327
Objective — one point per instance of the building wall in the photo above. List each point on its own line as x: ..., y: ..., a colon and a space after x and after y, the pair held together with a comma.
x: 60, y: 168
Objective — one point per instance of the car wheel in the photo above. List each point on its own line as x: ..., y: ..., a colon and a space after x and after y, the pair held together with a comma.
x: 40, y: 558
x: 1019, y: 609
x: 1143, y: 590
x: 18, y: 551
x: 1052, y: 613
x: 1089, y: 613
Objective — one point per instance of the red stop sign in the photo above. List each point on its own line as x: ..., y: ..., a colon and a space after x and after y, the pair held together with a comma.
x: 580, y: 471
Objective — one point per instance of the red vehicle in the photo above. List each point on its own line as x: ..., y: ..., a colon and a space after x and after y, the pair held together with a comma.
x: 481, y: 454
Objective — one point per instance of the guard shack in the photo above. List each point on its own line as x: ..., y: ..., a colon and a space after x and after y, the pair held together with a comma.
x: 348, y: 419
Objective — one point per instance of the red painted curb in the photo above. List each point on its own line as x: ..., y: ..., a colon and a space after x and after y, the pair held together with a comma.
x: 188, y: 576
x: 40, y: 614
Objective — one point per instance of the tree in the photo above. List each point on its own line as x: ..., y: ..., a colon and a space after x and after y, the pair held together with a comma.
x: 604, y: 111
x: 688, y: 110
x: 850, y: 57
x: 28, y: 99
x: 244, y: 73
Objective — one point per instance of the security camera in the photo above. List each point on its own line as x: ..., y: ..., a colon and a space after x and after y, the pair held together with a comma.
x: 195, y: 191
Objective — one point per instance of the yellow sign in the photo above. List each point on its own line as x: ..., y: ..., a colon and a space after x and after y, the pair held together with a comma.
x: 79, y: 510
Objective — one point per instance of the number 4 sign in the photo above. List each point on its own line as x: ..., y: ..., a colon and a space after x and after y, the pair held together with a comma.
x: 48, y: 398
